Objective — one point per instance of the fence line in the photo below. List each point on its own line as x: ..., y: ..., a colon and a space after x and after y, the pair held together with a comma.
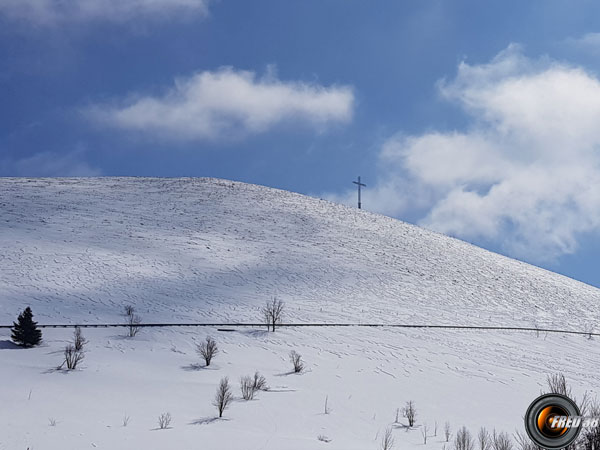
x: 330, y: 325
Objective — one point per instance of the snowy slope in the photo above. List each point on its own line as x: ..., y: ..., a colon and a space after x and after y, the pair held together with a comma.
x: 206, y: 250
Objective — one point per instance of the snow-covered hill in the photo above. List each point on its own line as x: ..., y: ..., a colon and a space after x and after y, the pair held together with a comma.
x: 207, y: 249
x: 214, y: 250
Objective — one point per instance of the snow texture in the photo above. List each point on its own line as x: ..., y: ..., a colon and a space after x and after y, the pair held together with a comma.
x: 207, y: 250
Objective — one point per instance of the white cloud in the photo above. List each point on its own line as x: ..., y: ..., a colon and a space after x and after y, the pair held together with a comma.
x: 587, y: 42
x: 57, y: 11
x: 525, y: 173
x: 226, y: 103
x: 49, y: 164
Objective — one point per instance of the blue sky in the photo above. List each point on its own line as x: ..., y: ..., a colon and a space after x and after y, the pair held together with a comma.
x: 476, y: 119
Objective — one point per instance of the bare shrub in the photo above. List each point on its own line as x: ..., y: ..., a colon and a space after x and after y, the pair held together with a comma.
x: 133, y: 325
x: 326, y: 409
x: 557, y: 384
x: 72, y: 357
x: 424, y: 431
x: 126, y: 420
x: 524, y: 442
x: 397, y: 419
x: 387, y: 440
x: 272, y: 313
x: 447, y: 431
x: 435, y: 428
x: 590, y: 436
x: 483, y: 439
x: 52, y: 421
x: 260, y: 383
x: 247, y: 388
x: 463, y: 440
x: 164, y: 420
x: 323, y: 438
x: 296, y: 360
x: 129, y: 310
x: 78, y: 340
x: 208, y: 349
x: 410, y: 412
x: 223, y: 397
x: 501, y: 441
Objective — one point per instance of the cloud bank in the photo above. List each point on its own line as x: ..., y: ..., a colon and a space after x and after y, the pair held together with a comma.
x: 227, y: 103
x: 49, y: 164
x: 524, y: 174
x: 46, y: 12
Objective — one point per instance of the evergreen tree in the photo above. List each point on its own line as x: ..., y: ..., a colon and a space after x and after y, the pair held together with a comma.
x: 24, y: 331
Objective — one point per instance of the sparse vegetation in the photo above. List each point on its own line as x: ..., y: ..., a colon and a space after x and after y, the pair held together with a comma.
x: 410, y: 413
x: 72, y: 357
x: 260, y: 383
x: 524, y: 442
x: 133, y: 325
x: 424, y: 431
x: 296, y: 360
x: 73, y: 353
x: 126, y: 420
x: 501, y: 441
x: 590, y: 436
x: 323, y: 438
x: 164, y: 420
x: 78, y: 340
x: 251, y: 385
x: 223, y: 397
x: 272, y: 313
x: 447, y: 431
x: 247, y: 387
x: 483, y: 439
x: 463, y: 440
x: 387, y: 440
x: 208, y: 349
x: 24, y: 331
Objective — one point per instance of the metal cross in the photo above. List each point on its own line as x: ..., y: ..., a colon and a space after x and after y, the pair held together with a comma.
x: 359, y: 185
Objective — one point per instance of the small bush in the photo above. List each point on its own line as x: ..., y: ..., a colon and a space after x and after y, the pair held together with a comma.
x: 72, y: 357
x: 483, y: 439
x: 501, y: 441
x: 164, y: 420
x: 463, y: 440
x: 296, y: 360
x: 247, y: 388
x: 208, y: 349
x: 223, y: 397
x: 410, y: 412
x: 78, y: 340
x: 387, y: 440
x: 133, y: 325
x: 260, y: 383
x: 129, y: 310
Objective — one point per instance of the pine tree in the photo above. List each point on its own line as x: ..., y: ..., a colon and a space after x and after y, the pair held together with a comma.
x: 25, y: 332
